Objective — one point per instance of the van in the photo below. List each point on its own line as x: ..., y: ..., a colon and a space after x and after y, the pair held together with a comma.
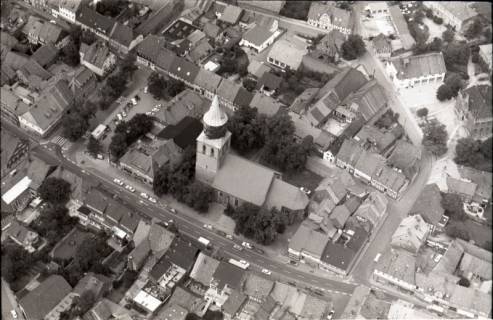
x: 377, y: 257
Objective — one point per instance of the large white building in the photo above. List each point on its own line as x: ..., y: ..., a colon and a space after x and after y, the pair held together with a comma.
x: 329, y: 17
x: 416, y: 70
x: 455, y: 13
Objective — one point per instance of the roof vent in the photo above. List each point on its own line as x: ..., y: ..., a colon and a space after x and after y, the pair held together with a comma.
x: 179, y: 68
x: 188, y: 73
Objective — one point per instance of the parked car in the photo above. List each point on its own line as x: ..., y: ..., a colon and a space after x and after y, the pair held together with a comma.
x: 247, y: 245
x: 229, y: 236
x: 137, y: 97
x: 100, y: 156
x: 208, y: 226
x: 306, y: 190
x: 13, y: 313
x: 133, y: 101
x: 124, y: 114
x: 258, y: 250
x: 146, y: 89
x: 238, y: 247
x: 130, y: 188
x: 144, y: 195
x: 266, y: 271
x: 153, y: 200
x: 118, y: 182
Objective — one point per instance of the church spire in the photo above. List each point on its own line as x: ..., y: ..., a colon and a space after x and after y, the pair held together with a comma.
x: 215, y: 120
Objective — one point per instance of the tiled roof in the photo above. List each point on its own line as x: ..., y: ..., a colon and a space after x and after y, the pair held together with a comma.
x: 428, y: 204
x: 45, y: 55
x: 122, y: 34
x: 345, y: 82
x: 405, y: 156
x: 207, y: 80
x: 341, y: 255
x: 230, y: 275
x: 401, y: 27
x: 370, y: 99
x: 390, y: 178
x: 40, y: 301
x: 204, y: 269
x: 211, y: 30
x: 420, y: 66
x: 461, y: 187
x: 270, y: 81
x: 243, y: 97
x: 257, y: 35
x: 349, y: 152
x: 381, y: 43
x: 184, y: 69
x: 96, y: 199
x: 182, y: 253
x: 96, y: 54
x: 289, y: 52
x: 231, y: 14
x: 15, y: 60
x: 265, y: 104
x: 256, y: 286
x: 235, y: 300
x: 369, y: 163
x: 460, y: 10
x: 411, y: 233
x: 399, y: 264
x: 315, y: 246
x: 285, y: 195
x: 50, y: 33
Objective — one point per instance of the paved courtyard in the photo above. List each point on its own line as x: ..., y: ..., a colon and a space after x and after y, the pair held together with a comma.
x: 374, y: 26
x: 434, y: 29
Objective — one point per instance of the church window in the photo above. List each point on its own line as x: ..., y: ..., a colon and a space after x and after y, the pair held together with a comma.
x: 203, y: 148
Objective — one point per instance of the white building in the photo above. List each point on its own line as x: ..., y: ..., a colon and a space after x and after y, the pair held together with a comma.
x: 329, y: 17
x: 260, y: 37
x: 287, y: 54
x: 67, y: 9
x: 417, y: 70
x: 486, y: 54
x: 455, y: 13
x: 378, y: 9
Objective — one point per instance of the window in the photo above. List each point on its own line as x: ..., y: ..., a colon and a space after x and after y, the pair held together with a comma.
x: 212, y: 152
x: 203, y: 148
x: 236, y: 202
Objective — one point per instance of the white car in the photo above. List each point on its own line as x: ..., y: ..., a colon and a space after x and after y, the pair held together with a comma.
x: 118, y: 182
x: 244, y: 262
x: 13, y: 313
x: 149, y: 113
x: 247, y: 245
x: 146, y: 89
x: 151, y: 199
x: 124, y: 114
x: 266, y: 271
x: 330, y: 316
x: 208, y: 226
x: 144, y: 195
x: 229, y: 236
x: 133, y: 101
x: 172, y: 210
x: 130, y: 188
x: 237, y: 247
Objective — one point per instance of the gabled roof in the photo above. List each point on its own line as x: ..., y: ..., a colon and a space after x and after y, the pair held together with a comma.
x: 315, y: 246
x: 184, y: 69
x: 390, y: 178
x: 15, y: 60
x: 32, y: 68
x: 96, y: 53
x: 50, y: 33
x: 461, y: 187
x: 257, y: 35
x: 186, y: 104
x: 96, y: 199
x: 204, y: 269
x: 369, y: 163
x: 370, y: 99
x: 405, y: 156
x: 40, y: 301
x: 265, y: 104
x: 350, y: 152
x: 235, y: 300
x: 449, y: 261
x: 338, y: 17
x: 411, y: 233
x: 160, y: 239
x: 92, y: 19
x: 211, y: 30
x: 243, y: 97
x: 270, y: 81
x: 290, y: 52
x: 258, y: 287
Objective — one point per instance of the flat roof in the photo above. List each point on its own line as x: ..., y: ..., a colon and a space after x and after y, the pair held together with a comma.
x: 147, y: 301
x: 16, y: 190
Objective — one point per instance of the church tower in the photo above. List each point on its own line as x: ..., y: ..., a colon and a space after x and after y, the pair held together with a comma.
x: 212, y: 144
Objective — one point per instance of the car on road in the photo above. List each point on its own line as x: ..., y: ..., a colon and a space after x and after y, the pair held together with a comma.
x: 247, y: 245
x: 238, y: 247
x: 330, y: 316
x: 144, y: 195
x: 377, y: 257
x: 53, y: 21
x: 118, y: 182
x: 229, y: 236
x: 172, y: 210
x: 146, y: 89
x: 130, y: 188
x: 244, y: 262
x: 208, y: 226
x: 306, y: 190
x: 100, y: 156
x: 13, y: 313
x: 124, y: 114
x: 258, y: 250
x: 153, y: 200
x: 266, y: 271
x: 133, y: 101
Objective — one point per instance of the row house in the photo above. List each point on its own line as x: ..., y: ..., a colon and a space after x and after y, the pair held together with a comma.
x: 97, y: 58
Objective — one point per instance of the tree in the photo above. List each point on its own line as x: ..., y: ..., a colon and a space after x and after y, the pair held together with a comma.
x: 175, y: 87
x: 192, y: 316
x: 456, y: 53
x: 453, y: 206
x: 435, y: 138
x: 213, y: 315
x: 444, y: 92
x: 279, y: 126
x: 474, y: 29
x: 55, y: 191
x: 118, y: 145
x: 455, y: 231
x: 464, y: 282
x: 199, y: 196
x: 468, y: 152
x: 74, y: 125
x: 70, y: 54
x: 116, y: 84
x: 249, y: 84
x: 157, y: 86
x: 437, y: 20
x: 160, y: 184
x: 454, y: 81
x: 93, y: 146
x: 448, y: 35
x: 422, y: 112
x: 296, y: 10
x: 246, y: 130
x: 486, y: 148
x: 128, y: 65
x: 353, y: 47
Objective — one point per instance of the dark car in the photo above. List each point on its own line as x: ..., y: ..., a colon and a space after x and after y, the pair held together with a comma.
x: 258, y: 250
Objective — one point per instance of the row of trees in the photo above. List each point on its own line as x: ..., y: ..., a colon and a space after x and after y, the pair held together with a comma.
x: 274, y: 135
x: 127, y: 133
x: 179, y: 182
x: 163, y: 88
x: 117, y: 83
x: 259, y: 224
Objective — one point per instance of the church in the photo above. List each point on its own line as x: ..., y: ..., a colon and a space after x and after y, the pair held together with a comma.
x: 237, y: 180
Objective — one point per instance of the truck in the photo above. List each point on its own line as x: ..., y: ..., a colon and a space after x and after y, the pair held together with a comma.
x: 205, y: 242
x: 241, y: 264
